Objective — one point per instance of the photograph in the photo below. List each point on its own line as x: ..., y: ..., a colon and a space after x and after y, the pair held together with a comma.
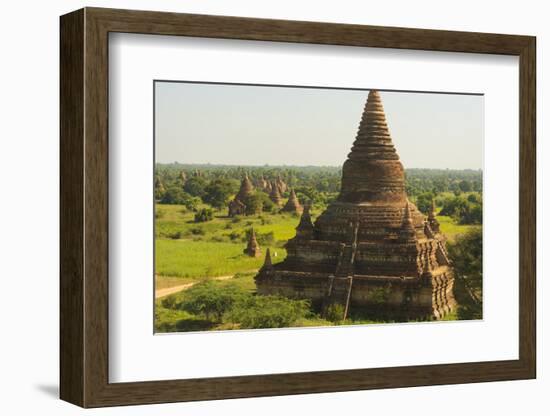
x: 280, y: 206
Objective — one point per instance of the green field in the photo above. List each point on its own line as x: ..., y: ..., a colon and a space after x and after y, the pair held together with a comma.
x: 185, y: 249
x: 174, y: 219
x: 451, y: 229
x: 198, y: 259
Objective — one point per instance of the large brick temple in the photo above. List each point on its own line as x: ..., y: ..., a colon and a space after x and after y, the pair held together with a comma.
x: 371, y: 249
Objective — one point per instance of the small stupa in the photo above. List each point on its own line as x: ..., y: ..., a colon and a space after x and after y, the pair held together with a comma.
x: 371, y: 249
x: 432, y: 221
x: 292, y: 205
x: 159, y: 186
x: 281, y: 185
x: 275, y: 194
x: 183, y: 176
x: 252, y: 248
x: 237, y: 206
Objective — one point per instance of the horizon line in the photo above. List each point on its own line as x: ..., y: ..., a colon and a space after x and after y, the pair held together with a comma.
x: 294, y: 166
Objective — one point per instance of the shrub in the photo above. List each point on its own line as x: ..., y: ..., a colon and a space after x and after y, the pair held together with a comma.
x: 335, y: 313
x: 197, y: 231
x: 204, y: 215
x: 212, y: 299
x: 168, y: 302
x: 176, y: 195
x: 267, y: 312
x: 234, y: 235
x: 175, y: 235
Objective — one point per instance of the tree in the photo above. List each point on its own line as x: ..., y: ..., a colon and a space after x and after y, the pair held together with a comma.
x: 466, y: 255
x: 212, y: 299
x: 474, y: 198
x: 175, y: 195
x: 258, y: 202
x: 424, y: 202
x: 218, y: 192
x: 462, y: 210
x: 465, y: 186
x: 195, y: 186
x: 204, y: 215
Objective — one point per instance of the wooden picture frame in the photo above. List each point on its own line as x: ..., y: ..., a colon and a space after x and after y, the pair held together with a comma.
x: 84, y: 207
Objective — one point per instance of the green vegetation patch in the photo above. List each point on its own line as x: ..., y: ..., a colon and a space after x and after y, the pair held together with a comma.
x: 200, y: 259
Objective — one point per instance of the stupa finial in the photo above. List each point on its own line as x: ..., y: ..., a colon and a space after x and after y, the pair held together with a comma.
x: 373, y: 172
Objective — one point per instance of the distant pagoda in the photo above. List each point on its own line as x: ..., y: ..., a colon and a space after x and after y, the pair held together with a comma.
x: 371, y: 249
x: 292, y: 205
x: 281, y: 185
x: 159, y: 186
x: 252, y: 248
x: 238, y: 205
x: 275, y: 194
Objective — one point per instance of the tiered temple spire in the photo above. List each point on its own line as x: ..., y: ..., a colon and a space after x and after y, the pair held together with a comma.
x: 292, y: 205
x: 246, y: 189
x: 238, y: 205
x: 252, y: 248
x: 275, y: 195
x: 370, y: 240
x: 373, y: 172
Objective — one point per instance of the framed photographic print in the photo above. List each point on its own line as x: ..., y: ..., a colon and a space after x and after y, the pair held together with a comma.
x: 255, y: 207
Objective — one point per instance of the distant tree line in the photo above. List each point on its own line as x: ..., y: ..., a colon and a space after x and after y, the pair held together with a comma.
x: 216, y: 185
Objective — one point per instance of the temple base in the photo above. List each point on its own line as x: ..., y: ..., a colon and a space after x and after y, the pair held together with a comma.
x: 385, y: 298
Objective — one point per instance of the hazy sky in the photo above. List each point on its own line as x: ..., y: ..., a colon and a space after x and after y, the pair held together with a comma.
x: 258, y: 125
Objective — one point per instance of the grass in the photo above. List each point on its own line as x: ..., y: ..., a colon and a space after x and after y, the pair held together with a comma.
x: 185, y: 249
x: 175, y: 219
x: 451, y: 229
x: 199, y: 259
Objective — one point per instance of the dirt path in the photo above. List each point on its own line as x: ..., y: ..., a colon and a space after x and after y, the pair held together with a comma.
x: 160, y: 293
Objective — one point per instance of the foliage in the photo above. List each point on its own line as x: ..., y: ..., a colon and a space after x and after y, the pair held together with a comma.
x: 254, y: 203
x: 466, y: 254
x: 211, y: 300
x: 218, y: 192
x: 424, y: 202
x: 463, y: 210
x: 335, y: 313
x: 195, y: 186
x: 465, y: 186
x: 379, y: 295
x: 176, y: 195
x: 204, y: 215
x: 267, y: 312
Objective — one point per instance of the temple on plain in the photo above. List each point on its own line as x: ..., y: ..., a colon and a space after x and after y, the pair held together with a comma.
x: 371, y: 248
